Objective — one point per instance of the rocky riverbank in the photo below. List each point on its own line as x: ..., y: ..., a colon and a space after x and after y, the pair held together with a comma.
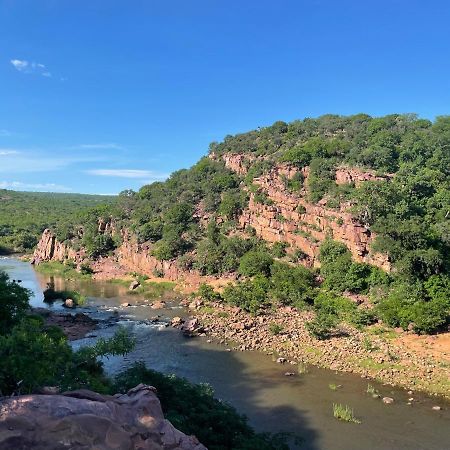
x: 74, y: 326
x: 376, y: 352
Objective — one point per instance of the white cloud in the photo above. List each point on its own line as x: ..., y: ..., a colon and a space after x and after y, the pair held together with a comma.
x: 128, y: 173
x: 24, y: 66
x: 100, y: 146
x: 35, y: 160
x: 7, y: 151
x: 46, y: 187
x: 20, y: 64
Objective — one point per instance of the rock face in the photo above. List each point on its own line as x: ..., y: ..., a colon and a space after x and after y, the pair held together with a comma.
x: 87, y: 420
x: 49, y: 248
x: 292, y: 219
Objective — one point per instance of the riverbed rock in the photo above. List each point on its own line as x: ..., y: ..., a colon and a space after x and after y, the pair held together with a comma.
x: 191, y: 327
x: 176, y: 321
x: 436, y: 408
x: 69, y: 303
x: 281, y: 360
x: 388, y: 400
x: 134, y: 285
x: 86, y: 420
x: 158, y: 304
x: 125, y: 305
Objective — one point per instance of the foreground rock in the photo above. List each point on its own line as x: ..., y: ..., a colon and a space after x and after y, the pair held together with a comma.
x: 87, y: 420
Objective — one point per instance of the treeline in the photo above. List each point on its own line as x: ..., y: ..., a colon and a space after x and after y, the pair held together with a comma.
x: 25, y: 215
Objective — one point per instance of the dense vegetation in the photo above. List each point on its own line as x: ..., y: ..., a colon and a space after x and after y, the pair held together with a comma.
x: 192, y: 216
x: 24, y: 215
x: 34, y: 355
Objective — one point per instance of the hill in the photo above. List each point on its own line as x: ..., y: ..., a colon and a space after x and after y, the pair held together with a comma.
x: 365, y: 199
x: 24, y: 215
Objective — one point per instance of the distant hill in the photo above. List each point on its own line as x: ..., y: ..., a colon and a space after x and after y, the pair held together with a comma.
x: 24, y: 215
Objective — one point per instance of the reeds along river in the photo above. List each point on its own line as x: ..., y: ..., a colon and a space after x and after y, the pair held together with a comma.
x: 254, y: 383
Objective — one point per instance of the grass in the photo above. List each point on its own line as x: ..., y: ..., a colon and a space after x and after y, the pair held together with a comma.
x: 334, y: 387
x: 344, y: 413
x: 63, y: 270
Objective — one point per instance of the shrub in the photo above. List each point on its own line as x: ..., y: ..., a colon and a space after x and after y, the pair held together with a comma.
x: 255, y: 262
x: 322, y: 325
x: 207, y: 292
x: 279, y: 249
x: 250, y: 295
x: 291, y: 285
x: 13, y: 302
x: 275, y: 328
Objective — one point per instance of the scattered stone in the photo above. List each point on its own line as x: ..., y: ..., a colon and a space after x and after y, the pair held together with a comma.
x: 388, y: 400
x: 159, y: 304
x: 289, y: 374
x: 125, y: 305
x: 436, y: 408
x: 69, y: 303
x: 176, y: 321
x: 281, y: 360
x: 134, y: 285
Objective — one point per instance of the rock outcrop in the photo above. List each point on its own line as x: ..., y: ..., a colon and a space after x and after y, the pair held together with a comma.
x: 49, y: 248
x: 304, y: 225
x: 87, y: 420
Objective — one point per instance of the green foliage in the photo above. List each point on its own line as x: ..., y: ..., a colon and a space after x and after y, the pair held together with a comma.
x: 322, y: 325
x: 291, y: 285
x: 250, y: 295
x: 25, y: 215
x: 424, y: 306
x: 344, y: 412
x: 278, y: 249
x: 13, y: 303
x: 193, y: 409
x: 275, y: 328
x: 255, y: 262
x: 207, y: 292
x: 34, y: 355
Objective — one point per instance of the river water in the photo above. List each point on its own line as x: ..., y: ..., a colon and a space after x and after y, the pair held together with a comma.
x: 253, y: 382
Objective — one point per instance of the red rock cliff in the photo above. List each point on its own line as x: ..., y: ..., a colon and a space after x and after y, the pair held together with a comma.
x: 301, y: 224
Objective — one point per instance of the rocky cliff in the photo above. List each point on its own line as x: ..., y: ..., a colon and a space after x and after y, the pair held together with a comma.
x: 287, y: 217
x: 303, y: 225
x: 87, y: 420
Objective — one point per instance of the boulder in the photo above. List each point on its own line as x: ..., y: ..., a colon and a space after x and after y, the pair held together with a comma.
x: 176, y: 321
x: 158, y: 305
x: 134, y: 285
x: 191, y: 326
x: 69, y: 303
x: 87, y: 420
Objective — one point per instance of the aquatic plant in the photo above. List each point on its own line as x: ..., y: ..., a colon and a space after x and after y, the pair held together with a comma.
x: 344, y: 412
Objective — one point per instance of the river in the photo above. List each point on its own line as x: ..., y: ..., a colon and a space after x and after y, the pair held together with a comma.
x: 253, y: 382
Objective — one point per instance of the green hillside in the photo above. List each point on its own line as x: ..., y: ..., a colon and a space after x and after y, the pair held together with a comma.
x: 410, y: 214
x: 24, y: 215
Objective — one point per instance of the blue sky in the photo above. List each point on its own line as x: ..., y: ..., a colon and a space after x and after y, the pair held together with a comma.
x: 99, y: 96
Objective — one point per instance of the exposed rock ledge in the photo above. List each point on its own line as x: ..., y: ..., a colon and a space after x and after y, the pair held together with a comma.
x: 87, y: 420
